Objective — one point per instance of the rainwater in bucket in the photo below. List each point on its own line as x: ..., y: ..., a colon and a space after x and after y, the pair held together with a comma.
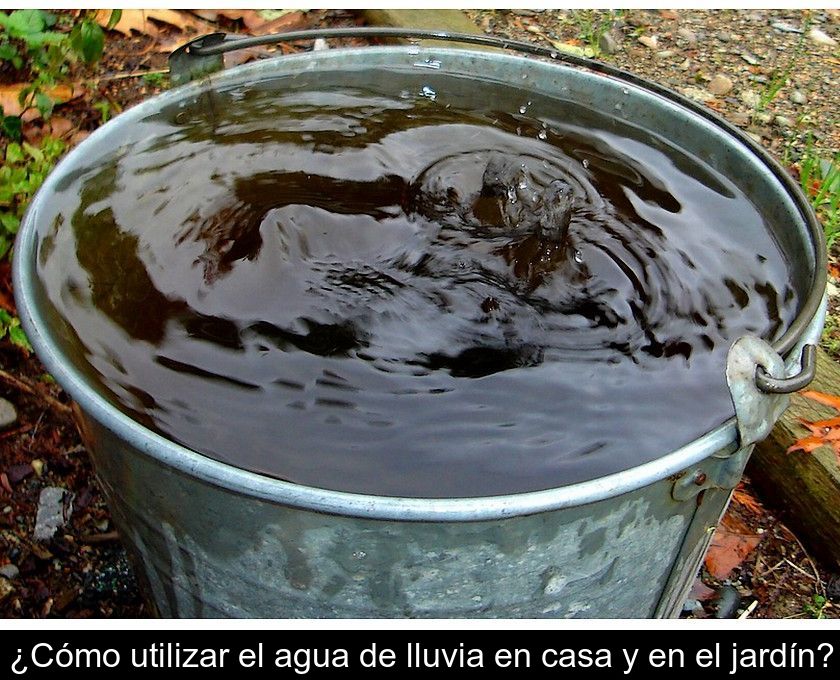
x: 402, y: 340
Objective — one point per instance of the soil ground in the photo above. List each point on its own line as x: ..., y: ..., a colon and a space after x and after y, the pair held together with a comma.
x: 83, y: 570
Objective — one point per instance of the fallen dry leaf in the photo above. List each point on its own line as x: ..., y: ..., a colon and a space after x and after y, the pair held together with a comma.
x: 822, y: 432
x: 700, y: 591
x: 731, y: 544
x: 807, y: 444
x: 143, y: 21
x: 56, y: 126
x: 747, y: 501
x: 294, y: 21
x: 10, y: 98
x: 826, y: 399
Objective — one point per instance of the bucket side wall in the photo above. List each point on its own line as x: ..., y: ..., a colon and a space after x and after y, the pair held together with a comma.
x: 206, y: 551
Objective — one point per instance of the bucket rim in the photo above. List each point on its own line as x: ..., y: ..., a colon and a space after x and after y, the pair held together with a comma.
x: 719, y: 441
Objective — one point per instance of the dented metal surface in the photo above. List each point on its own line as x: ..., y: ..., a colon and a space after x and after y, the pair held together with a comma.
x: 229, y: 557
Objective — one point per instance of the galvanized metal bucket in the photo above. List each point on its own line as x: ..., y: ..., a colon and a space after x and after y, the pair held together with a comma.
x: 210, y: 539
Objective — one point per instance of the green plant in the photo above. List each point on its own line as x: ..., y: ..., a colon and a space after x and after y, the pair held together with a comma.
x: 780, y: 78
x: 820, y: 180
x: 592, y: 24
x: 29, y: 43
x: 10, y: 326
x: 830, y: 340
x: 23, y: 170
x: 155, y: 78
x: 816, y: 608
x: 104, y: 108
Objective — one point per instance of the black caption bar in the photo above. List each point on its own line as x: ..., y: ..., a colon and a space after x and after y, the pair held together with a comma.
x: 335, y: 653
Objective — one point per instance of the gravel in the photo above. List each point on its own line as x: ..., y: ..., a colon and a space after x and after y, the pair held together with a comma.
x: 780, y: 65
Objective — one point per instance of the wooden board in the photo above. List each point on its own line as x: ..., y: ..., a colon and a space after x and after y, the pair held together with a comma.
x: 806, y: 486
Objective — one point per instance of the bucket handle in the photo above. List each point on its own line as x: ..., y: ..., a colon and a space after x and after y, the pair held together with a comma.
x: 204, y: 55
x: 788, y: 385
x: 758, y: 395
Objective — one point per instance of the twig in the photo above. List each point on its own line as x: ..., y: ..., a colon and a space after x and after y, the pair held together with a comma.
x: 23, y: 429
x: 107, y: 537
x: 800, y: 570
x: 132, y: 74
x: 820, y: 585
x: 749, y: 610
x: 26, y: 386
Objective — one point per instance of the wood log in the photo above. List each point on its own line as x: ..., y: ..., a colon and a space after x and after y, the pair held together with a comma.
x: 805, y: 486
x: 451, y: 20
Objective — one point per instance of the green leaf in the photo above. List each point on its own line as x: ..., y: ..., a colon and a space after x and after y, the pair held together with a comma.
x: 5, y: 244
x: 88, y: 40
x: 114, y: 19
x: 44, y: 104
x: 14, y: 153
x: 12, y: 127
x: 9, y: 222
x: 18, y: 337
x: 8, y: 52
x: 36, y: 40
x: 23, y: 22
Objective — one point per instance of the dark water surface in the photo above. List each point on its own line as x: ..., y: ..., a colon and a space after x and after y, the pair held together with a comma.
x: 408, y: 292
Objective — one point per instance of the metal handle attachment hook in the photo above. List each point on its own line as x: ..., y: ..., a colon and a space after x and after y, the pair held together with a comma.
x: 770, y: 385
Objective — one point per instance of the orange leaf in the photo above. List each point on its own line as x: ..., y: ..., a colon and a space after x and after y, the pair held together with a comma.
x: 807, y: 444
x: 821, y: 424
x: 826, y: 399
x: 747, y: 501
x: 730, y: 546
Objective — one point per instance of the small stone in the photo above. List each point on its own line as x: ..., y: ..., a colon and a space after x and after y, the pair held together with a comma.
x: 637, y: 18
x: 55, y: 505
x: 8, y: 414
x: 649, y: 41
x: 750, y: 58
x: 754, y: 136
x: 698, y: 94
x: 320, y: 45
x: 785, y: 27
x: 609, y: 43
x: 669, y: 14
x: 10, y: 571
x: 688, y: 35
x: 764, y: 118
x: 821, y: 37
x: 720, y: 85
x: 798, y: 97
x: 750, y: 98
x: 6, y: 589
x: 723, y: 36
x: 728, y: 600
x: 665, y: 54
x: 690, y: 605
x: 38, y: 466
x: 685, y: 65
x: 783, y: 121
x: 740, y: 118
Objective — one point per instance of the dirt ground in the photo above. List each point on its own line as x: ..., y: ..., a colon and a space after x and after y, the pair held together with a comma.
x: 83, y: 571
